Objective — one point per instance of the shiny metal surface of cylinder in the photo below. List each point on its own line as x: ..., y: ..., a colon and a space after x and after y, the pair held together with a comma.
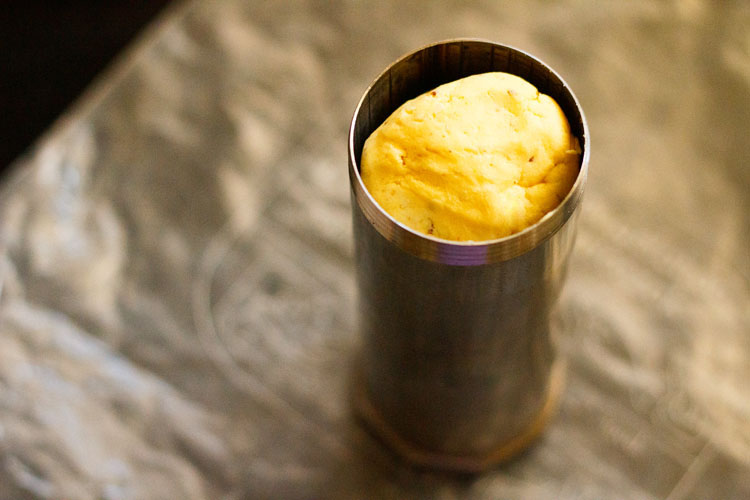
x: 459, y: 369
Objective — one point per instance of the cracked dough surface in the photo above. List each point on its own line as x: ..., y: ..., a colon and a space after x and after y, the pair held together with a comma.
x: 475, y: 159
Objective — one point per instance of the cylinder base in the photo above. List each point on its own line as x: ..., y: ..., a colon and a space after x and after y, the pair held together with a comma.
x: 465, y: 464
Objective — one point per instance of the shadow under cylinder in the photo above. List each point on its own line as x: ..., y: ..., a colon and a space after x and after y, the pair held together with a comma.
x: 458, y: 369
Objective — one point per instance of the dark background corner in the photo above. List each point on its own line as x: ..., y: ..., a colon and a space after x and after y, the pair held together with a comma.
x: 50, y: 52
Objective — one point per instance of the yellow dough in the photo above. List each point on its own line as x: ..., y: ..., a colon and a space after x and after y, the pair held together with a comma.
x: 473, y: 160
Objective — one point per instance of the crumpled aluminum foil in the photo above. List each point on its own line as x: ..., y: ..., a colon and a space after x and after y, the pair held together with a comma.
x: 177, y: 304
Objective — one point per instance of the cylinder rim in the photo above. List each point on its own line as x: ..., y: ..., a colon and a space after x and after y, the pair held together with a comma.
x: 468, y: 252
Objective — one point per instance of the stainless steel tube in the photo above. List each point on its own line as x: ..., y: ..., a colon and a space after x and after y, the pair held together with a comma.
x: 459, y: 369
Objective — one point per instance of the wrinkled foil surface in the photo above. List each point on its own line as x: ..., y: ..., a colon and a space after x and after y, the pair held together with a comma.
x: 177, y: 302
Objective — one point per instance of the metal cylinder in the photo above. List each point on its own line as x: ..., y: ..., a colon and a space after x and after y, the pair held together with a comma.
x: 459, y: 369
